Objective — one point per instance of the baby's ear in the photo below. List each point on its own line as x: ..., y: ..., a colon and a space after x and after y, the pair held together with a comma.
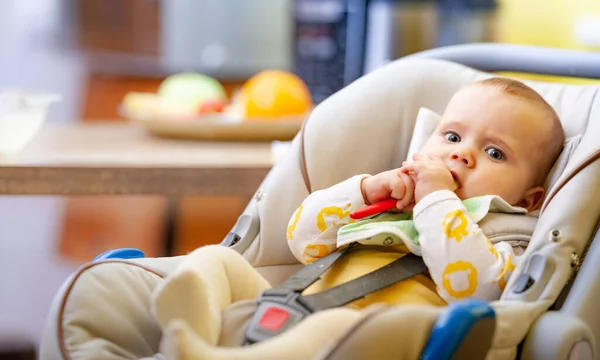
x: 533, y: 198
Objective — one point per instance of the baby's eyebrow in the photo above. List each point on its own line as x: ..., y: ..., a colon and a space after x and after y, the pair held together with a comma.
x: 452, y: 124
x: 502, y: 144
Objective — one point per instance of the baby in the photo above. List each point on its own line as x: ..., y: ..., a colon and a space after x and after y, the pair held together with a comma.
x: 496, y: 137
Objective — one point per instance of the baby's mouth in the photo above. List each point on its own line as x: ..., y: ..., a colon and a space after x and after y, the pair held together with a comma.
x: 456, y: 180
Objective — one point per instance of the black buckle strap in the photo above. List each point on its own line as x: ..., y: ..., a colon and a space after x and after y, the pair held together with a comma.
x: 398, y: 270
x: 310, y: 273
x: 283, y: 307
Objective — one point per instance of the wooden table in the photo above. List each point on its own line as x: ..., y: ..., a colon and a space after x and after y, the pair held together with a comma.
x: 120, y: 158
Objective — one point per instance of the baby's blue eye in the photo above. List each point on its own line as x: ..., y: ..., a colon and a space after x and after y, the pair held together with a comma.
x: 452, y: 136
x: 495, y: 154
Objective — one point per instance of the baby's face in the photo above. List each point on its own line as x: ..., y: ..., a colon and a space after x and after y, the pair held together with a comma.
x: 491, y: 142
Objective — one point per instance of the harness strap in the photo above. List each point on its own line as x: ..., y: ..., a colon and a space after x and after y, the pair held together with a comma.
x: 310, y: 273
x: 396, y: 271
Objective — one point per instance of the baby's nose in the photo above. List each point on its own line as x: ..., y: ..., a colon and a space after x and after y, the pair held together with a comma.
x: 463, y: 156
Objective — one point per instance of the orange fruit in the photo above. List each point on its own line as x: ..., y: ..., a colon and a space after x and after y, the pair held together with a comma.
x: 273, y: 93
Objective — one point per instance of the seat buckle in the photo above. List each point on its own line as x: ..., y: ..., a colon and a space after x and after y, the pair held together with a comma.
x: 278, y: 310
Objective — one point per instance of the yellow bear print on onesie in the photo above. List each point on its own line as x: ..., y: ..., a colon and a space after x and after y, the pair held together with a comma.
x: 332, y: 212
x: 316, y: 251
x: 509, y: 267
x: 460, y: 272
x: 492, y: 248
x: 334, y: 215
x: 292, y: 226
x: 453, y: 230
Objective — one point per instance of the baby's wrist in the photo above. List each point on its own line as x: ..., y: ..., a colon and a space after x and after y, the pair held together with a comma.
x: 363, y: 190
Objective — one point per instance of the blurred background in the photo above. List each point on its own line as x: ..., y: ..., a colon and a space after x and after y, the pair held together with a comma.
x: 93, y: 52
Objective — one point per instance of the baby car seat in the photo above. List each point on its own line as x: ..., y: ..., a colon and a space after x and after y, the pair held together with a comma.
x: 547, y: 310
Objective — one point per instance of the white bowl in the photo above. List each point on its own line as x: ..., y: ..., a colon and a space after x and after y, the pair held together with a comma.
x: 21, y: 116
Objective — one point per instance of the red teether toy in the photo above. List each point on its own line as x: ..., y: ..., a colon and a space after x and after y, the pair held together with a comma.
x: 373, y: 209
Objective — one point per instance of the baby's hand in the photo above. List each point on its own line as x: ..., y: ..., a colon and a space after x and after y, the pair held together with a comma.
x: 429, y: 174
x: 389, y: 184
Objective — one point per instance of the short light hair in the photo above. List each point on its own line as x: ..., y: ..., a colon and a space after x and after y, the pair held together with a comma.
x: 553, y: 143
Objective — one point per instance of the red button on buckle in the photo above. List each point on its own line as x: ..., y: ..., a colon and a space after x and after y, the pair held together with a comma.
x: 273, y: 318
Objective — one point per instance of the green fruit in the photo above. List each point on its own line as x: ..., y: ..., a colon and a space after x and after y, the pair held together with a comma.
x: 191, y: 88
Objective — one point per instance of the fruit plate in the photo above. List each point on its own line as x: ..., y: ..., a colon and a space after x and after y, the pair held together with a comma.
x: 217, y: 127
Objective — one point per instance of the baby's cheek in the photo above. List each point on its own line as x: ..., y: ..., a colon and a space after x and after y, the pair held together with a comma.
x: 478, y: 186
x: 509, y: 185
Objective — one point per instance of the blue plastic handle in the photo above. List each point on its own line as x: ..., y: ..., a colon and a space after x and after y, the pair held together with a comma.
x: 124, y: 253
x: 452, y: 327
